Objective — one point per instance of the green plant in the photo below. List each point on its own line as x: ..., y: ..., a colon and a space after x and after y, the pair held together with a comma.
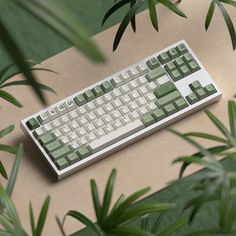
x: 135, y: 6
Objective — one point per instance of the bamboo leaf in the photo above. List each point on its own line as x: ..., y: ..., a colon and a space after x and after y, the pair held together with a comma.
x: 32, y: 220
x: 6, y: 131
x: 232, y: 117
x: 153, y: 13
x: 96, y: 200
x: 209, y: 15
x: 8, y: 97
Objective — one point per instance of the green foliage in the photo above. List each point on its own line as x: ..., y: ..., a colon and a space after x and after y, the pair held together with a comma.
x: 136, y: 4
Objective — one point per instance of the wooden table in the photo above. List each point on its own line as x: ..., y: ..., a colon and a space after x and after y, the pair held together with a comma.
x: 145, y: 163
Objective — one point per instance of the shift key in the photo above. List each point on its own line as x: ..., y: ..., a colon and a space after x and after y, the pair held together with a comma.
x: 60, y: 152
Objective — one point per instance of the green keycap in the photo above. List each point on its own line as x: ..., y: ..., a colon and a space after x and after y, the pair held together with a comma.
x: 106, y: 87
x: 170, y: 66
x: 61, y: 163
x: 147, y: 120
x: 184, y: 70
x: 192, y: 98
x: 83, y: 152
x: 164, y: 89
x: 158, y: 114
x: 98, y: 91
x: 60, y: 152
x: 72, y: 158
x: 155, y: 74
x: 32, y: 123
x: 173, y: 53
x: 170, y: 109
x: 52, y: 146
x: 195, y: 85
x: 46, y: 138
x: 210, y: 89
x: 168, y: 98
x: 188, y: 57
x: 180, y: 103
x: 201, y: 93
x: 153, y: 63
x: 181, y: 48
x: 89, y: 95
x: 164, y: 58
x: 175, y: 75
x: 80, y: 100
x: 193, y: 66
x: 179, y: 62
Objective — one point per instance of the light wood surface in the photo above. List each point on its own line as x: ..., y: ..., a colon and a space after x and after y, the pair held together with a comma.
x: 145, y: 163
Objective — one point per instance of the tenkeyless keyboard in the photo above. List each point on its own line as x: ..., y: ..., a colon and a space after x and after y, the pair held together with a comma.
x: 121, y: 109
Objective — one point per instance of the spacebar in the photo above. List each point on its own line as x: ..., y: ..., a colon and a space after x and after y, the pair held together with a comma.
x: 116, y: 135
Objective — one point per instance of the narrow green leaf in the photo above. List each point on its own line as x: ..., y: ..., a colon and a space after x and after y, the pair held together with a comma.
x: 32, y: 221
x: 133, y: 20
x: 153, y: 13
x: 3, y: 171
x: 42, y: 216
x: 172, y: 7
x: 129, y: 231
x: 26, y: 82
x: 96, y: 200
x: 7, y: 148
x: 118, y: 202
x: 4, y: 71
x: 8, y: 97
x: 6, y: 131
x: 85, y: 220
x: 108, y: 195
x: 4, y: 233
x: 207, y: 136
x: 113, y: 9
x: 124, y: 23
x: 210, y: 14
x: 228, y: 22
x: 17, y: 56
x: 14, y: 171
x: 232, y: 117
x: 170, y: 229
x: 230, y: 2
x: 60, y: 225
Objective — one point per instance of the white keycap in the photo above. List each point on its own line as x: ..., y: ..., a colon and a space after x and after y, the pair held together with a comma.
x: 117, y: 103
x: 125, y: 99
x: 91, y: 137
x: 74, y: 144
x: 91, y: 116
x: 81, y: 131
x: 73, y: 124
x: 142, y: 80
x: 108, y: 107
x: 98, y: 123
x: 108, y: 128
x: 124, y: 110
x: 150, y: 97
x: 125, y: 120
x: 125, y: 89
x: 117, y: 124
x: 142, y: 67
x: 133, y: 106
x: 116, y: 82
x: 134, y: 95
x: 39, y: 131
x: 65, y: 119
x: 56, y: 123
x: 72, y: 135
x: 134, y: 72
x: 107, y: 119
x: 100, y: 133
x: 142, y: 101
x: 151, y: 106
x: 116, y: 136
x: 125, y: 77
x: 43, y: 118
x: 90, y: 127
x: 64, y: 139
x: 116, y: 93
x: 73, y: 114
x: 47, y: 127
x: 61, y: 109
x: 82, y: 120
x: 70, y: 105
x: 143, y: 111
x: 57, y: 133
x: 133, y: 84
x: 152, y: 86
x: 134, y: 115
x: 82, y: 110
x: 107, y: 97
x: 52, y: 113
x: 99, y: 102
x: 100, y: 112
x: 115, y: 114
x: 65, y: 129
x: 162, y: 80
x: 90, y: 106
x: 143, y: 90
x: 83, y: 141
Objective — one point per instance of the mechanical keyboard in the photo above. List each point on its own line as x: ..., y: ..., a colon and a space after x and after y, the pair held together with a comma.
x: 121, y: 109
